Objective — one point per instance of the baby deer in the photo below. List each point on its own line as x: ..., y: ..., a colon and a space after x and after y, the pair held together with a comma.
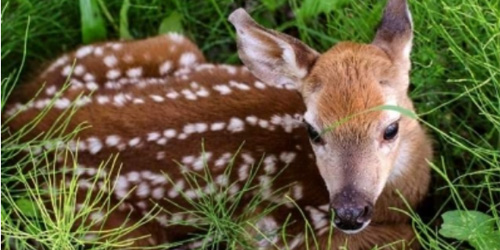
x: 153, y: 101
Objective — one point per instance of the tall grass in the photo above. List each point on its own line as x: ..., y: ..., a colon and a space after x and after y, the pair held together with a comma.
x: 455, y: 86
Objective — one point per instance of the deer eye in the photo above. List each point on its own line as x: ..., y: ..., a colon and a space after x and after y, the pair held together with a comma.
x: 391, y: 131
x: 313, y: 134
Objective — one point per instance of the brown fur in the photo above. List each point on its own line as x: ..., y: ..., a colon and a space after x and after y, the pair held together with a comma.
x: 345, y: 80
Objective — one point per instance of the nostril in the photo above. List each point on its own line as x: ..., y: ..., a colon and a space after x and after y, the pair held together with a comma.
x: 365, y: 214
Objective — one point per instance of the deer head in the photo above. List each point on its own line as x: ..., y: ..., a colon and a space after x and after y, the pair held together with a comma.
x: 358, y: 156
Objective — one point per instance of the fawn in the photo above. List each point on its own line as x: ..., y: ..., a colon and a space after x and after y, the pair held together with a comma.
x: 153, y: 101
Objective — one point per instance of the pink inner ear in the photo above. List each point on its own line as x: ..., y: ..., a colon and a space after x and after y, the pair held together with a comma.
x: 275, y: 58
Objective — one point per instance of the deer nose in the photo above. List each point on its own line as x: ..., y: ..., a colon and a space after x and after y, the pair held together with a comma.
x: 352, y: 217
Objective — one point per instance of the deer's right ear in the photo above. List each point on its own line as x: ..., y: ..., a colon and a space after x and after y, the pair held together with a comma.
x: 273, y: 57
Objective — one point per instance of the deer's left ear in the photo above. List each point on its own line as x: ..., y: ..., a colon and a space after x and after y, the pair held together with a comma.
x: 273, y: 57
x: 395, y: 32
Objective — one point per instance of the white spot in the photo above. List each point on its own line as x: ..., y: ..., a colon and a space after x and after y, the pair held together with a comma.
x: 223, y: 160
x: 174, y: 192
x: 138, y: 101
x: 238, y: 85
x: 40, y: 104
x: 121, y: 183
x: 189, y: 129
x: 298, y: 192
x: 102, y: 99
x: 162, y: 219
x: 98, y: 51
x: 236, y: 125
x: 97, y: 216
x: 230, y: 69
x: 66, y: 70
x: 234, y: 188
x: 252, y: 120
x: 84, y: 51
x: 91, y: 86
x: 259, y: 85
x: 182, y: 136
x: 201, y: 127
x: 113, y: 74
x: 143, y: 190
x: 188, y: 159
x: 287, y: 157
x: 158, y: 193
x: 194, y: 85
x: 157, y: 98
x: 94, y: 145
x: 222, y: 180
x: 176, y: 37
x: 142, y: 205
x: 116, y: 46
x: 169, y: 133
x: 217, y: 126
x: 153, y: 136
x: 202, y: 92
x: 263, y: 123
x: 134, y: 72
x: 222, y: 89
x: 162, y: 141
x: 119, y: 99
x: 188, y: 94
x: 270, y: 164
x: 110, y: 61
x: 133, y: 176
x: 172, y: 94
x: 79, y: 70
x: 187, y: 59
x: 51, y: 90
x: 165, y: 67
x: 160, y: 155
x: 243, y: 172
x: 247, y: 158
x: 112, y: 140
x: 319, y: 218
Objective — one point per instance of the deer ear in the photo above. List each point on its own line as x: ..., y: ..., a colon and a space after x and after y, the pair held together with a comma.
x: 395, y: 33
x: 273, y: 57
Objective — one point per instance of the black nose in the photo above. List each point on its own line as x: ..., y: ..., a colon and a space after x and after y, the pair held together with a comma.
x: 352, y: 216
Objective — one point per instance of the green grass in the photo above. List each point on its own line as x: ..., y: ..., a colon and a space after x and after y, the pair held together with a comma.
x: 455, y: 86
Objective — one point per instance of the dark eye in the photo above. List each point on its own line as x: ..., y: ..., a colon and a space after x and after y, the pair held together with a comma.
x: 391, y: 131
x: 313, y: 134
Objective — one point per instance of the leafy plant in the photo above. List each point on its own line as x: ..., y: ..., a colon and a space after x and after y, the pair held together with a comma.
x: 475, y: 227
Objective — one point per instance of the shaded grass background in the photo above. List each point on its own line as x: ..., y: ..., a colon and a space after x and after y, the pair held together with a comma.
x: 455, y: 76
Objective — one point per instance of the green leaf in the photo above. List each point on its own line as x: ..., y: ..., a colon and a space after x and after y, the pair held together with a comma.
x: 93, y: 26
x: 124, y: 31
x: 472, y: 226
x: 172, y: 23
x: 27, y: 207
x: 487, y: 241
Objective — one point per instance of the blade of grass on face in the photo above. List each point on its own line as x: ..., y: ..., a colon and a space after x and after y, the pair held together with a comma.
x: 93, y: 26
